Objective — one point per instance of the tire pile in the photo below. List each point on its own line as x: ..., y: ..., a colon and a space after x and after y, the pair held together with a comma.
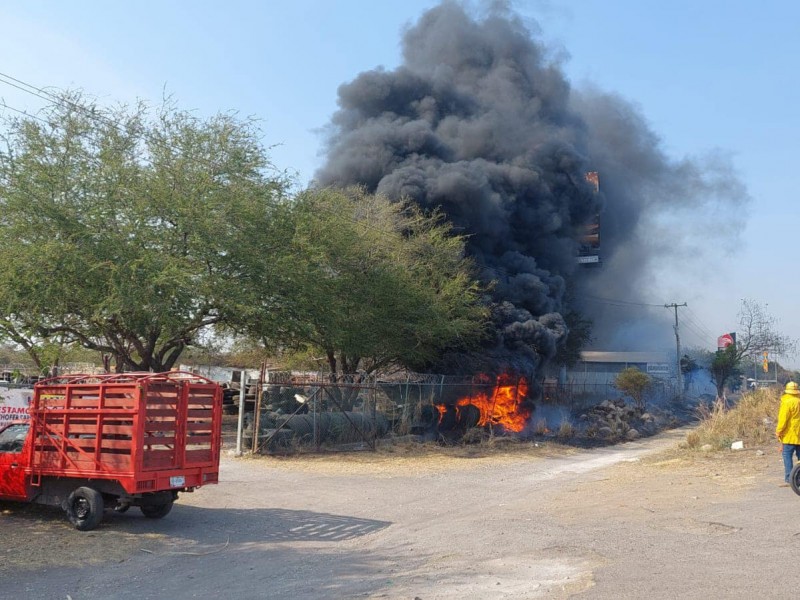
x: 614, y: 420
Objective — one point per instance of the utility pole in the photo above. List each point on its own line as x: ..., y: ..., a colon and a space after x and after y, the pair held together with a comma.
x: 678, y: 345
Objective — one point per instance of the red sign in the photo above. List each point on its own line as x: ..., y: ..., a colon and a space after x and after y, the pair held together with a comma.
x: 724, y: 341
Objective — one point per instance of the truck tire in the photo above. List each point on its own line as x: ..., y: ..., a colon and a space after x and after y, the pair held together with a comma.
x: 85, y: 508
x: 156, y: 511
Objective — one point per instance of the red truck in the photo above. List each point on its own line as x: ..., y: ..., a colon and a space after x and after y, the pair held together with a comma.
x: 113, y: 441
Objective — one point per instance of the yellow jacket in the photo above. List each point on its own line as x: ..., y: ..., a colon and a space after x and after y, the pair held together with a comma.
x: 788, y: 429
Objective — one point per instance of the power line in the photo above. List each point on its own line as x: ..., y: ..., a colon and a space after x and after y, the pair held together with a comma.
x: 699, y: 335
x: 699, y: 331
x: 57, y: 100
x: 51, y: 98
x: 698, y: 327
x: 4, y: 104
x: 693, y: 318
x: 696, y: 318
x: 618, y: 302
x: 27, y: 88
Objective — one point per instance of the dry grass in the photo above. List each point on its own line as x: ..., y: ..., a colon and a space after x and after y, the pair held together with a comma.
x: 566, y: 430
x: 752, y: 420
x: 540, y: 427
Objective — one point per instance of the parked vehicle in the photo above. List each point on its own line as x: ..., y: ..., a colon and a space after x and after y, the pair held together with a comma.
x: 113, y: 441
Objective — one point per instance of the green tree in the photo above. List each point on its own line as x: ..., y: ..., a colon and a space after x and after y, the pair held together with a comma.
x: 117, y: 226
x: 365, y: 281
x: 634, y: 383
x: 725, y: 366
x: 757, y: 333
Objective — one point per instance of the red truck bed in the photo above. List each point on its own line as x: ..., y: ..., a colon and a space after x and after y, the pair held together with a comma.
x: 147, y: 431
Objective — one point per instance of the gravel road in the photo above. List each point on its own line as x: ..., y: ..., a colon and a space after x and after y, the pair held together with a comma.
x: 639, y: 520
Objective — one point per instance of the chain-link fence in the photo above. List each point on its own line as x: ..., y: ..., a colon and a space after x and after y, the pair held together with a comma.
x: 576, y: 395
x: 295, y: 412
x: 314, y: 411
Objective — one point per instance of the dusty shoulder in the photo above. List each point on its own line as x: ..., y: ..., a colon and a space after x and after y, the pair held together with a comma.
x: 675, y: 479
x: 404, y: 461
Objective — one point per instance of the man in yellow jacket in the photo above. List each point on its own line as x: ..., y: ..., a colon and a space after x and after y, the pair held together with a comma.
x: 788, y: 429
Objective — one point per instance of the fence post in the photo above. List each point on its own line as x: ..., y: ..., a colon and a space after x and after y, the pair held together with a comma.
x: 240, y: 424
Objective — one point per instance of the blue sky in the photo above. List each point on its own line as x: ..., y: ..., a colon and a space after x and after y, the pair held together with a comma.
x: 705, y: 74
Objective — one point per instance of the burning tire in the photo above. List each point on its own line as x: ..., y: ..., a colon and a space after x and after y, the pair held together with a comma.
x: 85, y: 508
x: 469, y: 416
x: 426, y: 421
x: 448, y: 419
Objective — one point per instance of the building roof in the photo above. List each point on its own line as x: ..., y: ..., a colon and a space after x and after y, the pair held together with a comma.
x: 595, y: 356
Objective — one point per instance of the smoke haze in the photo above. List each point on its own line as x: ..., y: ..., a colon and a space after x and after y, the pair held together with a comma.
x: 478, y: 120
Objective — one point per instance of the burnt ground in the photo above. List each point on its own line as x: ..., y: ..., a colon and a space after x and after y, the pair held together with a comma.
x: 642, y: 519
x: 594, y: 426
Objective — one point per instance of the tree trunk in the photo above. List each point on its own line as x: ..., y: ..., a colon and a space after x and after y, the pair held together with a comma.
x: 721, y: 394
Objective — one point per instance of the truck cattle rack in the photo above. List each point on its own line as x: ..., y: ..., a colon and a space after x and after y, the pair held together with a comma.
x: 131, y: 427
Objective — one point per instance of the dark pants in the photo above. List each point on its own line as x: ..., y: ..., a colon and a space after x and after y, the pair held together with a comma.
x: 789, y: 452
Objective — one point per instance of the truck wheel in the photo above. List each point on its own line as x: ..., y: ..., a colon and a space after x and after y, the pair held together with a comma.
x: 156, y: 511
x: 85, y: 508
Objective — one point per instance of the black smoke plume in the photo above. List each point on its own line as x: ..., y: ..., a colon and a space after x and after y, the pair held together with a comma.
x: 480, y: 121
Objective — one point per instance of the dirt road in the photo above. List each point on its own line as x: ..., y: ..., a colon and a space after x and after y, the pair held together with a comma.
x: 632, y: 521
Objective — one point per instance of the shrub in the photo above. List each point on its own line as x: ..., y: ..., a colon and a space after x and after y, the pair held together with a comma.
x: 566, y: 429
x: 634, y: 383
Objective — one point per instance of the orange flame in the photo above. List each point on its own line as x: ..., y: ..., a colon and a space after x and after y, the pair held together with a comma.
x: 503, y: 406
